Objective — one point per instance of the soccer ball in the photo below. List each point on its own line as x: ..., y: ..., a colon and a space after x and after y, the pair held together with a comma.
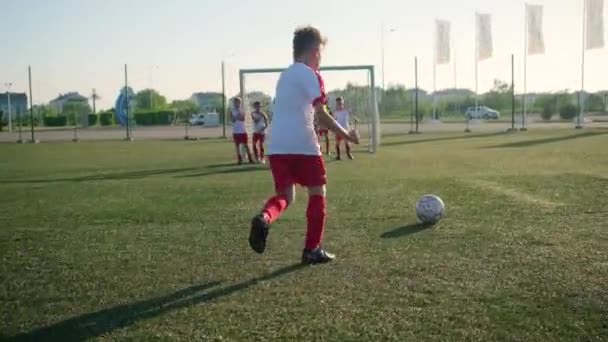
x: 429, y: 209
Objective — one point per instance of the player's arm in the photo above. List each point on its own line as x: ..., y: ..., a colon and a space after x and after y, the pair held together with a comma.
x: 241, y: 116
x: 327, y: 121
x: 354, y: 117
x: 265, y: 118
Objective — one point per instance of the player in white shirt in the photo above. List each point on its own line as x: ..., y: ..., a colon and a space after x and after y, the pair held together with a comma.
x: 260, y: 122
x: 293, y: 146
x: 343, y: 116
x: 239, y: 130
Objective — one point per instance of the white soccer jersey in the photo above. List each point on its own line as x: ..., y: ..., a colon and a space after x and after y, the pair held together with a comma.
x: 238, y: 127
x: 343, y: 118
x: 259, y: 125
x: 292, y: 130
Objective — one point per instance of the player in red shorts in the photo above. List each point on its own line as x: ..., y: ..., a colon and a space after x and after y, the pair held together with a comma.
x: 260, y: 122
x: 323, y: 132
x: 293, y: 147
x: 239, y: 131
x: 343, y: 117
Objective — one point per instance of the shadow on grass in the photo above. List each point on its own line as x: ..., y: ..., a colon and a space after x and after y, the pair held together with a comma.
x: 406, y: 230
x: 528, y: 143
x: 240, y: 169
x: 105, y: 321
x: 459, y: 137
x: 216, y: 169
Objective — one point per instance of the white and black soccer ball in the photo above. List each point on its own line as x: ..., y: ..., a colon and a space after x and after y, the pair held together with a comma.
x: 430, y: 209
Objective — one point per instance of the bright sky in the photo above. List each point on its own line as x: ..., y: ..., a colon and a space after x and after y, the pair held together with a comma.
x: 177, y: 46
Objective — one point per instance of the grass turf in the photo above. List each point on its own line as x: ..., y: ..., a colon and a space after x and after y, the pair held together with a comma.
x: 148, y: 240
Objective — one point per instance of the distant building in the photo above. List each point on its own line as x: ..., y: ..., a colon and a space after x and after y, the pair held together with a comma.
x: 60, y: 101
x: 19, y: 105
x: 208, y: 101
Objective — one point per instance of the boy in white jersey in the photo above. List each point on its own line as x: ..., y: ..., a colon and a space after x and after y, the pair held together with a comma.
x: 260, y: 122
x: 239, y: 130
x: 343, y: 116
x: 293, y: 148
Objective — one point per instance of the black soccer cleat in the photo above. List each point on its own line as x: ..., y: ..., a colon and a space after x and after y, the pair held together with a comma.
x: 258, y: 234
x: 317, y: 256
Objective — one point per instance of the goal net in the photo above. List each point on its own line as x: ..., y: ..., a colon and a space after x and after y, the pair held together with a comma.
x: 356, y: 84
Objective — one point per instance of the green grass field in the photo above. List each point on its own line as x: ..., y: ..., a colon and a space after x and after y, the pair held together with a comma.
x: 148, y: 241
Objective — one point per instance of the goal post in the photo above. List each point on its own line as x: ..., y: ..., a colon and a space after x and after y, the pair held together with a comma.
x: 372, y: 103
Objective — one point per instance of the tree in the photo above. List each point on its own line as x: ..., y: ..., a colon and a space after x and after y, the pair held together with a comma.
x: 499, y: 97
x: 76, y: 111
x: 183, y: 108
x: 595, y: 103
x: 149, y: 100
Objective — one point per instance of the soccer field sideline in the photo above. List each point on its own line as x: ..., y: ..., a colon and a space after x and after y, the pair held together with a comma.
x: 179, y: 132
x: 148, y: 241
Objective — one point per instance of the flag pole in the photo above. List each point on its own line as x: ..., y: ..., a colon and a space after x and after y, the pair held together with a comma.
x: 524, y: 114
x: 435, y: 53
x: 581, y: 101
x: 468, y: 128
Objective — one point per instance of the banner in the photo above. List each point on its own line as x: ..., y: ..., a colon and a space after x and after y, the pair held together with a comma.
x: 442, y: 42
x: 534, y: 19
x: 595, y: 24
x: 484, y: 36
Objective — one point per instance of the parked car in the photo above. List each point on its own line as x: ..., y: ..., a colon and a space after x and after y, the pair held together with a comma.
x: 482, y: 112
x: 207, y: 119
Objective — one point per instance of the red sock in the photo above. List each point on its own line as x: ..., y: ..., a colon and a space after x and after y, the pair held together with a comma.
x: 261, y: 151
x: 315, y: 214
x: 255, y: 150
x: 274, y: 208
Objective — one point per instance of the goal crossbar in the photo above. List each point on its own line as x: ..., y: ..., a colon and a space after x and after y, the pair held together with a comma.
x: 375, y: 124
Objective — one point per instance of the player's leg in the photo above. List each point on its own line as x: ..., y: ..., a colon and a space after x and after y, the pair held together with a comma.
x: 247, y: 149
x: 262, y: 138
x: 313, y: 176
x: 276, y: 205
x: 255, y: 147
x: 327, y: 142
x: 348, y: 153
x: 237, y: 140
x: 338, y: 140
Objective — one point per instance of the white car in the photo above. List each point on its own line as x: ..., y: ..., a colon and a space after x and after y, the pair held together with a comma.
x: 482, y: 112
x: 208, y: 119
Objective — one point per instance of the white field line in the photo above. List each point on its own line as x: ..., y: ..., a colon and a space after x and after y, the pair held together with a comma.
x: 515, y: 194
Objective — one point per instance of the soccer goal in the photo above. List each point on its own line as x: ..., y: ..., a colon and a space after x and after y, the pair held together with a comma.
x: 360, y: 96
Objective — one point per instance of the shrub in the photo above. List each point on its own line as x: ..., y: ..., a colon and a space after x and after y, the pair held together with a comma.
x: 55, y: 121
x: 154, y: 118
x: 548, y: 111
x: 106, y: 118
x: 93, y: 119
x: 568, y: 111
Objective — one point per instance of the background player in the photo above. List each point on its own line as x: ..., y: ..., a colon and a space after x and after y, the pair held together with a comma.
x: 343, y: 116
x: 294, y: 152
x: 323, y: 132
x: 239, y: 131
x: 260, y: 122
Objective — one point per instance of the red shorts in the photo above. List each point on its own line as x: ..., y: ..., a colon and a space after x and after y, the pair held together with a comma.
x: 259, y: 137
x: 290, y: 169
x: 323, y: 132
x: 240, y: 138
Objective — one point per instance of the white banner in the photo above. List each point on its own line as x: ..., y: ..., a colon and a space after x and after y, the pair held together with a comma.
x: 442, y: 42
x: 534, y: 19
x: 484, y: 36
x: 595, y: 24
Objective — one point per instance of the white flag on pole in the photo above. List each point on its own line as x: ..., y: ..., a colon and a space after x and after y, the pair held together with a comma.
x: 534, y: 18
x: 595, y: 24
x: 484, y: 36
x: 442, y: 42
